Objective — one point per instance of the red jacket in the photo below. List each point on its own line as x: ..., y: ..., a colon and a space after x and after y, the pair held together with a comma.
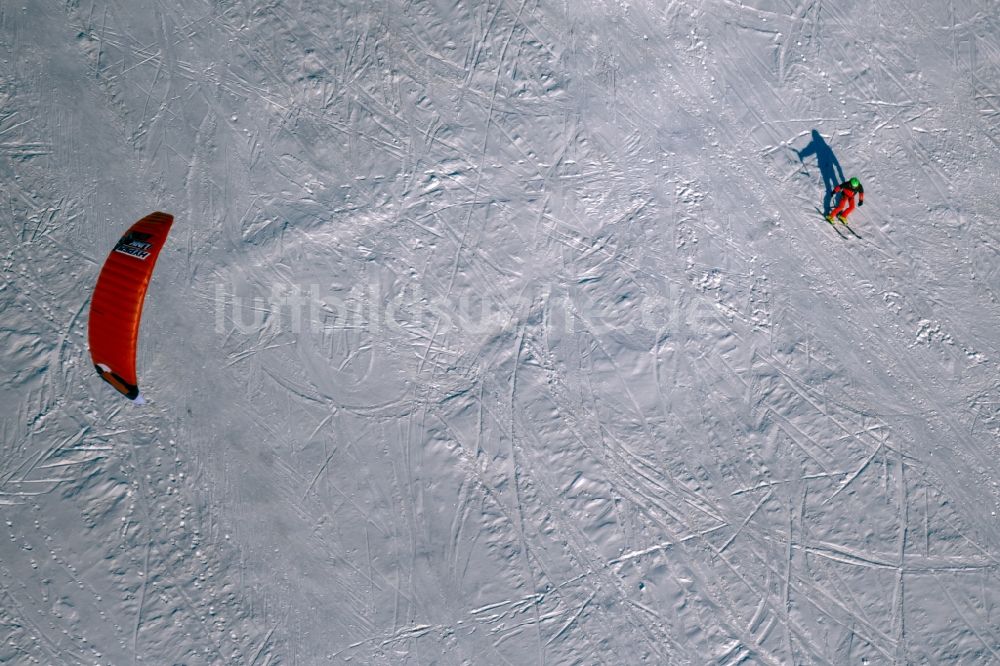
x: 849, y: 191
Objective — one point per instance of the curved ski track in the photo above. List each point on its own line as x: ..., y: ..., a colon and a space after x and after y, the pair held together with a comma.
x: 504, y: 332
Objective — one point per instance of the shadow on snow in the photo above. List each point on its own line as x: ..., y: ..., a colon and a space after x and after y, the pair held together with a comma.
x: 829, y: 166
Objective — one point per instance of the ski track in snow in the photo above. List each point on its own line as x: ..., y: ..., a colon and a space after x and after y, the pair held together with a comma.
x: 503, y: 332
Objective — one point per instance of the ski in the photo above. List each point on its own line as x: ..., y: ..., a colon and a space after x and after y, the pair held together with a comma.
x: 829, y: 220
x: 834, y: 225
x: 849, y: 228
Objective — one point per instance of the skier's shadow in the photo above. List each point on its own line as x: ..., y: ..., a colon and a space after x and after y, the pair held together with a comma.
x: 828, y: 165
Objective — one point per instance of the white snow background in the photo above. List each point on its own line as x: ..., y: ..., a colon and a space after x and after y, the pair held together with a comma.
x: 504, y: 332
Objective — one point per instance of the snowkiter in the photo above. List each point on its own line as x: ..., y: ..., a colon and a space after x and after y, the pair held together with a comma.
x: 847, y: 190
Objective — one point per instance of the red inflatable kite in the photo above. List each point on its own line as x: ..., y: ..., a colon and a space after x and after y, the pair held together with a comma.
x: 117, y: 303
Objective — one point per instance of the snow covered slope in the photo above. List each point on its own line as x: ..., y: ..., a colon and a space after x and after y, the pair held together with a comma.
x: 504, y: 331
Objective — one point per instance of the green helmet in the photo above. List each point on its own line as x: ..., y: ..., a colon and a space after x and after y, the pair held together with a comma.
x: 855, y: 183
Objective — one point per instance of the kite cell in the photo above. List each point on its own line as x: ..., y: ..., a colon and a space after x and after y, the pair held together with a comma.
x: 116, y: 307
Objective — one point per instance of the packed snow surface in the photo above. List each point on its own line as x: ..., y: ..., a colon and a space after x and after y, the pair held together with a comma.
x: 504, y: 332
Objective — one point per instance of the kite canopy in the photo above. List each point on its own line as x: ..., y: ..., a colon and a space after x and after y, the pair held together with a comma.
x: 116, y: 307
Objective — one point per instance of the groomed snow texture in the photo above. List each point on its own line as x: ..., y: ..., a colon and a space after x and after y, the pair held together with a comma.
x: 504, y: 332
